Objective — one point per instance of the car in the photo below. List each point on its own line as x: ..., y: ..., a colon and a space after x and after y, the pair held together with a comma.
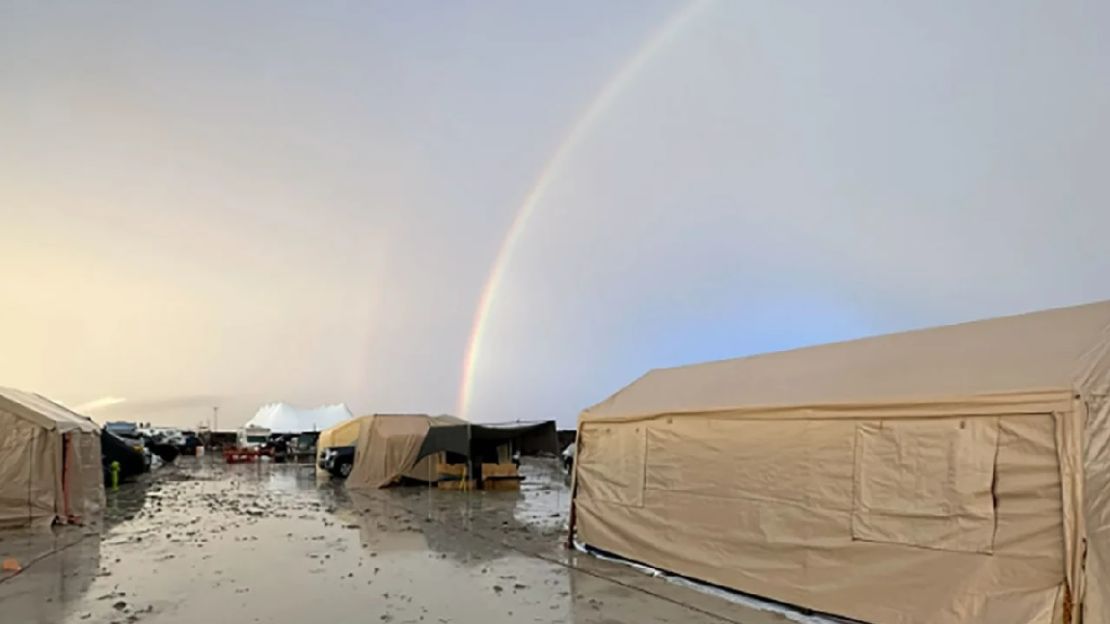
x: 131, y: 455
x: 337, y: 460
x: 132, y: 440
x: 165, y: 451
x: 190, y: 442
x: 123, y: 428
x: 277, y: 447
x: 167, y: 435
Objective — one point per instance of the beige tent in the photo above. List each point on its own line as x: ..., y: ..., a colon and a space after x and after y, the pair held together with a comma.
x: 343, y: 434
x: 388, y: 445
x: 956, y: 474
x: 50, y: 467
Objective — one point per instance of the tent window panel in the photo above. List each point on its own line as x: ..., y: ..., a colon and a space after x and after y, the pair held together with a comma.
x: 800, y: 462
x: 926, y: 483
x: 611, y: 463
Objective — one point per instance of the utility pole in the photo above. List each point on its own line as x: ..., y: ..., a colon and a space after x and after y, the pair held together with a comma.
x: 215, y: 417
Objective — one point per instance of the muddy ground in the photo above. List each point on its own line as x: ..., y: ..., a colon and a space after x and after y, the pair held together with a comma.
x: 201, y: 541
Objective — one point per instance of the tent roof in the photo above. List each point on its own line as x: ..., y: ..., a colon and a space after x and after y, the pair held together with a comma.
x: 352, y: 423
x: 535, y: 437
x: 43, y: 412
x: 433, y: 421
x: 1061, y: 349
x: 285, y: 418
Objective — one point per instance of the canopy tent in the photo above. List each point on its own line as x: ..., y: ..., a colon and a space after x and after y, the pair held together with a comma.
x: 285, y: 418
x: 50, y: 468
x: 388, y: 446
x: 477, y: 440
x: 955, y: 474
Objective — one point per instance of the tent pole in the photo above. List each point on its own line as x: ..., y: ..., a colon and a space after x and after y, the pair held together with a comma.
x: 433, y: 473
x: 469, y: 471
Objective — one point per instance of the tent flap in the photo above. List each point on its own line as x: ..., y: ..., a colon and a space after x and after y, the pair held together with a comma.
x: 926, y: 483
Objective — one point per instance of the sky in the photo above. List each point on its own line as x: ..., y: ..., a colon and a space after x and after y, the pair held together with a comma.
x: 510, y: 210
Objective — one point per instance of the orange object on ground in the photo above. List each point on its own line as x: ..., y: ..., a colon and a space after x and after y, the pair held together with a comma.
x: 11, y: 565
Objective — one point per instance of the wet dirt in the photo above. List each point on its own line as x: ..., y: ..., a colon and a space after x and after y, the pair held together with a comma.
x: 203, y: 541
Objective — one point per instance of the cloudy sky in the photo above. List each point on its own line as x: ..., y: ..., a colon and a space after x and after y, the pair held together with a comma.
x: 227, y: 204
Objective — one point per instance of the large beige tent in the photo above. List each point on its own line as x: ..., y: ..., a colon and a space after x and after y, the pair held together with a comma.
x: 50, y: 468
x: 956, y: 474
x: 388, y: 447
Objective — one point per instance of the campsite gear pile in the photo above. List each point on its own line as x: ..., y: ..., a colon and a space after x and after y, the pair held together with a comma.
x: 391, y: 448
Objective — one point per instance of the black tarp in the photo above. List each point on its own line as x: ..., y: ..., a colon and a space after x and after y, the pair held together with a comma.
x: 480, y: 441
x: 114, y: 448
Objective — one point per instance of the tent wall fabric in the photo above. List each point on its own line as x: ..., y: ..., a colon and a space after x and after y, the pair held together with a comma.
x: 1096, y: 469
x: 388, y: 447
x: 285, y: 418
x: 956, y: 474
x: 29, y: 459
x: 50, y: 468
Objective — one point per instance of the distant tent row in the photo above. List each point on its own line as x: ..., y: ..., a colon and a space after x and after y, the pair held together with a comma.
x: 50, y: 464
x: 390, y: 448
x: 285, y: 418
x: 951, y: 475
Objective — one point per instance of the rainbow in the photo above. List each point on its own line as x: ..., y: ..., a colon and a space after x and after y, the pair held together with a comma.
x: 578, y: 130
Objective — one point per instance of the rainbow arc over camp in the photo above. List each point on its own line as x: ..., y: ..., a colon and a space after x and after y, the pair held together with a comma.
x: 579, y: 129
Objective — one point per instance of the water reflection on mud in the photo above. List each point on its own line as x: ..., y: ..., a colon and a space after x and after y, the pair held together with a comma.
x: 203, y: 541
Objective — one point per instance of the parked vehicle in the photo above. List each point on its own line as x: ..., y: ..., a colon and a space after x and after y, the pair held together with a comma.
x: 167, y: 435
x: 154, y: 440
x: 165, y: 451
x: 277, y: 447
x: 253, y: 437
x: 304, y: 445
x: 190, y: 442
x: 128, y: 433
x: 338, y: 460
x: 165, y: 442
x: 132, y: 456
x: 123, y: 428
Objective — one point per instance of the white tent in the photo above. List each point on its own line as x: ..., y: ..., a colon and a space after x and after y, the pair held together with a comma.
x: 285, y: 418
x: 50, y: 467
